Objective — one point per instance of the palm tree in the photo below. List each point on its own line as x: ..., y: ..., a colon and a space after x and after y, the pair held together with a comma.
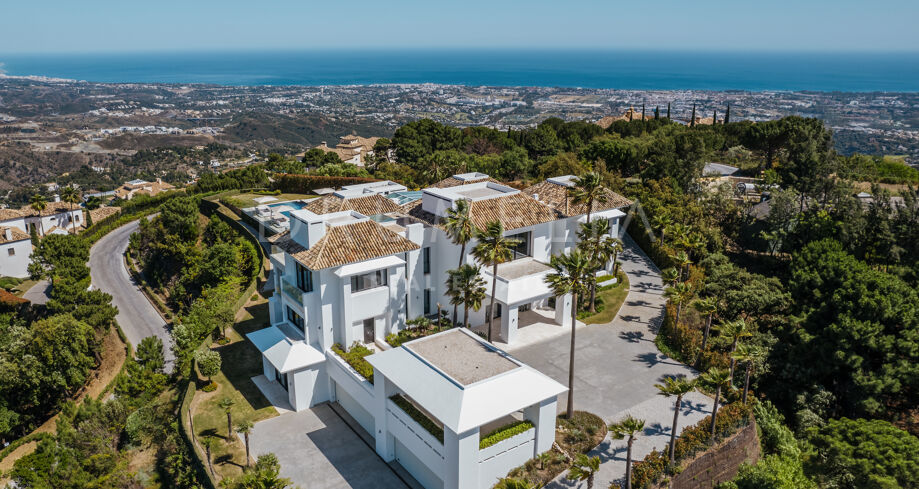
x: 617, y: 250
x: 661, y: 221
x: 71, y: 195
x: 679, y: 387
x: 569, y: 277
x: 245, y: 427
x: 627, y: 428
x: 493, y: 249
x: 749, y: 354
x: 707, y: 307
x: 678, y: 295
x: 594, y: 241
x: 512, y: 483
x: 670, y: 276
x: 584, y: 468
x: 226, y: 404
x: 588, y: 189
x: 736, y: 330
x: 716, y: 378
x: 682, y: 260
x: 461, y: 230
x: 207, y: 442
x: 465, y: 286
x: 38, y: 203
x: 696, y: 244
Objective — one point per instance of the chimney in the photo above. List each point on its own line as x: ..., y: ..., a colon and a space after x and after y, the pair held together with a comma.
x: 159, y: 181
x: 56, y: 198
x: 536, y: 197
x: 306, y: 230
x: 8, y: 233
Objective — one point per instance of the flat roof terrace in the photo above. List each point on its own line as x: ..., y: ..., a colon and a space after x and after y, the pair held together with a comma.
x: 464, y: 358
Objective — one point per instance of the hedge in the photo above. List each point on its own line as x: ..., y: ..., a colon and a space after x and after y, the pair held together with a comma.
x: 187, y: 395
x: 505, y: 432
x: 303, y: 184
x: 692, y: 440
x: 355, y: 357
x: 419, y: 417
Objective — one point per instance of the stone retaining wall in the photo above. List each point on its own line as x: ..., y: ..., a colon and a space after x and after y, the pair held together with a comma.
x: 720, y: 464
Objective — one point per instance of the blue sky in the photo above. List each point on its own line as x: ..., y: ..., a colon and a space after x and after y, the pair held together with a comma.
x: 56, y: 26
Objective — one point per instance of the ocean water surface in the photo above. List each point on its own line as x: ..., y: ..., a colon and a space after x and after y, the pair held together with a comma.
x: 639, y: 70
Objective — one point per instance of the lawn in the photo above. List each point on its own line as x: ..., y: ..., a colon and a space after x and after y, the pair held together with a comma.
x: 23, y: 286
x: 609, y: 300
x: 240, y: 362
x: 248, y: 200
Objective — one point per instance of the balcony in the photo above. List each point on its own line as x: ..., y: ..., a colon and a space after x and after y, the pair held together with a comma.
x: 292, y: 291
x: 519, y: 281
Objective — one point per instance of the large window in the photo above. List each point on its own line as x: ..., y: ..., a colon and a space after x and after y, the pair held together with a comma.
x: 522, y: 250
x: 304, y: 278
x: 426, y: 254
x: 296, y: 319
x: 370, y: 280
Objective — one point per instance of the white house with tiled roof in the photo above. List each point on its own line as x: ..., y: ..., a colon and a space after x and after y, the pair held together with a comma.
x: 15, y: 251
x: 355, y: 266
x: 55, y: 215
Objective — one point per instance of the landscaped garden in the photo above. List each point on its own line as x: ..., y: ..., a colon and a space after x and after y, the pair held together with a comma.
x: 247, y: 199
x: 609, y: 300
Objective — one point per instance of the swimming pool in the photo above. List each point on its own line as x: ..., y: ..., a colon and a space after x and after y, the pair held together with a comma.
x: 287, y: 207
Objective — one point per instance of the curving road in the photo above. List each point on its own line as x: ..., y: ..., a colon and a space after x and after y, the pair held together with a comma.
x: 136, y: 315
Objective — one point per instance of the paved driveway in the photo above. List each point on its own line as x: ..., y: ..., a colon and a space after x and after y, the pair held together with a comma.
x: 136, y: 316
x: 317, y: 450
x: 39, y: 293
x: 617, y: 365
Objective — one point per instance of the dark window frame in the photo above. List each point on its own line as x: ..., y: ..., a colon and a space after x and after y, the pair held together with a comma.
x: 304, y: 278
x: 426, y: 259
x: 296, y: 319
x: 523, y: 249
x: 370, y: 280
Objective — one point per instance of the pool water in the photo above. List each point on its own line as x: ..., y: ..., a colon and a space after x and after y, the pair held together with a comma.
x: 291, y: 206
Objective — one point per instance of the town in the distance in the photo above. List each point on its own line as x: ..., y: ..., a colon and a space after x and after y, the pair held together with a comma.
x: 455, y: 287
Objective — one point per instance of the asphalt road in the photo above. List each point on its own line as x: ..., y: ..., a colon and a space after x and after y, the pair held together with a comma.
x: 136, y: 315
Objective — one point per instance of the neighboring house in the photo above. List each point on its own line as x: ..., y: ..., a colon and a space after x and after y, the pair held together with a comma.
x: 55, y: 215
x: 358, y: 263
x: 134, y: 187
x: 352, y: 149
x: 15, y: 251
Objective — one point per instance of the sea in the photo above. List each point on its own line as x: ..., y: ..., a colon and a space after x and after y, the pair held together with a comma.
x: 628, y: 70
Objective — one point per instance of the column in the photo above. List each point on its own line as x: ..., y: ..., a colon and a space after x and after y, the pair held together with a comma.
x: 348, y: 333
x: 542, y: 416
x: 563, y: 310
x: 385, y: 445
x: 509, y: 323
x: 461, y: 453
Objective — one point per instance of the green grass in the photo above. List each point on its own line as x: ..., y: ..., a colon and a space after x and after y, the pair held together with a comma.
x: 248, y: 200
x: 240, y: 362
x: 23, y: 287
x: 609, y: 300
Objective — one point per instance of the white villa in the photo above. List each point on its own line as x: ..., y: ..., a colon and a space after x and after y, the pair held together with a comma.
x: 355, y: 266
x: 15, y: 251
x: 56, y: 217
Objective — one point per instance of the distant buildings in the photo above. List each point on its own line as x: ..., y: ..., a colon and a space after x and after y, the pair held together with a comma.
x: 143, y: 187
x: 352, y: 149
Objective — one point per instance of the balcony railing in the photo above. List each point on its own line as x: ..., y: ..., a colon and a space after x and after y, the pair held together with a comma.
x: 292, y: 291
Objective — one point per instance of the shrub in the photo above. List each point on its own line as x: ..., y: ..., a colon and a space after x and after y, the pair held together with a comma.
x: 303, y: 184
x: 419, y: 417
x: 211, y: 387
x: 209, y: 362
x: 418, y: 328
x: 505, y: 432
x: 355, y: 357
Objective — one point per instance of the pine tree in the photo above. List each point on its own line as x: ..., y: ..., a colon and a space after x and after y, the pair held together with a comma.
x: 727, y: 115
x: 692, y: 120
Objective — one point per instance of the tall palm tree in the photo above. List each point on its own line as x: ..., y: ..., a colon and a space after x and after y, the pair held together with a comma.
x: 707, y: 307
x: 71, y: 195
x: 493, y: 249
x: 584, y: 468
x: 670, y: 276
x: 678, y: 295
x: 570, y: 277
x: 617, y: 249
x: 588, y: 189
x: 749, y: 354
x: 207, y: 442
x: 679, y: 387
x: 595, y: 242
x: 627, y: 428
x: 716, y: 378
x: 736, y: 330
x: 461, y: 230
x: 226, y: 404
x: 245, y: 427
x: 696, y: 244
x: 679, y: 232
x: 39, y: 204
x: 682, y: 261
x: 662, y: 222
x: 467, y: 287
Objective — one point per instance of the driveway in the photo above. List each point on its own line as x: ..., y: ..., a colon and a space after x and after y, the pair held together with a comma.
x: 617, y: 365
x: 136, y: 315
x: 39, y: 293
x: 317, y: 450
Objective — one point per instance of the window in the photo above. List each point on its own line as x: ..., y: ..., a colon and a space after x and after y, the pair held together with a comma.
x: 295, y: 319
x: 522, y: 250
x: 427, y: 301
x: 304, y: 278
x: 11, y: 251
x: 370, y: 280
x: 427, y: 259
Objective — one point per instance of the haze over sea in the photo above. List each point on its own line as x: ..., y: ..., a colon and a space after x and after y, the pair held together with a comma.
x: 637, y: 70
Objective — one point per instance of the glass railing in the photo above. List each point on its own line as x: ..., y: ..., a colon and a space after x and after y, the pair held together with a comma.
x: 292, y: 291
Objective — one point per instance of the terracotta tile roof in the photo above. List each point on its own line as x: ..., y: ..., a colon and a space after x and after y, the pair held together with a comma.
x: 556, y: 197
x: 103, y: 212
x: 284, y: 235
x: 455, y: 182
x: 370, y: 205
x: 11, y: 300
x: 349, y: 243
x: 51, y: 208
x: 513, y: 211
x: 17, y: 234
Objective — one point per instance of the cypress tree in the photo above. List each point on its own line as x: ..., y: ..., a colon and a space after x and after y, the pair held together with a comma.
x: 642, y: 111
x: 692, y: 120
x: 668, y: 111
x: 657, y: 112
x: 715, y: 117
x: 727, y: 115
x: 630, y: 114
